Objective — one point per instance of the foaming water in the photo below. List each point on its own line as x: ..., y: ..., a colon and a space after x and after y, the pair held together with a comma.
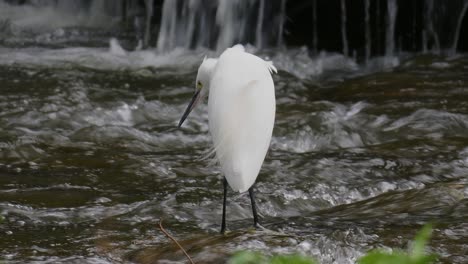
x: 295, y: 62
x: 300, y: 64
x: 90, y: 158
x: 53, y: 16
x: 114, y: 58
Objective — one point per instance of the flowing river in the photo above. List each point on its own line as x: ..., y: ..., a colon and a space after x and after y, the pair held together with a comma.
x: 361, y: 157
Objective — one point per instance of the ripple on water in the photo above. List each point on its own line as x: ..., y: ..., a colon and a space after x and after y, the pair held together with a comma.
x: 90, y: 160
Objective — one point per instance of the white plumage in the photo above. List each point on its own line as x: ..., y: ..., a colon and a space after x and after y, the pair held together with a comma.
x: 241, y: 115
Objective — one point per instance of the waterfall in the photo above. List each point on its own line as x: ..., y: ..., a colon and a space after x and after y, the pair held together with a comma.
x: 166, y: 37
x: 343, y: 28
x: 392, y: 9
x: 453, y: 50
x: 43, y: 15
x: 149, y: 15
x: 279, y: 40
x: 217, y: 24
x: 428, y: 30
x: 258, y: 32
x: 368, y: 32
x: 231, y: 18
x: 191, y: 23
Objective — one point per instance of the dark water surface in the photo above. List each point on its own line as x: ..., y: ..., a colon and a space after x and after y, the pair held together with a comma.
x: 362, y: 157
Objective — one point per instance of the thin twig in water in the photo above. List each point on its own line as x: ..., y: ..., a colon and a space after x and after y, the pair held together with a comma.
x: 175, y: 241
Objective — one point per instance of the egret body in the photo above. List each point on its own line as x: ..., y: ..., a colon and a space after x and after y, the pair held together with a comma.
x: 241, y: 113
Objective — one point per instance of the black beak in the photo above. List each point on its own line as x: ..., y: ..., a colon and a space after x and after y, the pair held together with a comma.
x: 190, y: 107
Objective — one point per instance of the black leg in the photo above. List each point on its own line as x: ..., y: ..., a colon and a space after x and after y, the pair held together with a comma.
x: 254, y: 207
x: 223, y: 223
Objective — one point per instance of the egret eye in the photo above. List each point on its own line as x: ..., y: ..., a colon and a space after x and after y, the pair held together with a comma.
x: 199, y: 85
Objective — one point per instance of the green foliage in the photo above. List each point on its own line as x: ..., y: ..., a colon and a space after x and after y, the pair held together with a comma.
x: 295, y: 259
x: 248, y: 257
x: 416, y: 256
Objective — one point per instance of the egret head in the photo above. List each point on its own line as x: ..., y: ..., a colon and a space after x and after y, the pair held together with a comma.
x: 202, y: 85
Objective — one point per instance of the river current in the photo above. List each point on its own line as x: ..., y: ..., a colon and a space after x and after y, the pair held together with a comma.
x: 362, y: 156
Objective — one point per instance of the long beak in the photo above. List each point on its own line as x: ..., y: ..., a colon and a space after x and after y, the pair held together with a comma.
x: 192, y: 104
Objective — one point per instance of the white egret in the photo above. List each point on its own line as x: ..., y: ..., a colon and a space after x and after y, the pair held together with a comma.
x: 241, y: 115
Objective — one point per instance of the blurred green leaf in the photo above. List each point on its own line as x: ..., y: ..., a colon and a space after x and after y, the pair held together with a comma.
x: 291, y: 259
x: 416, y: 256
x: 420, y: 241
x: 247, y: 257
x: 380, y: 257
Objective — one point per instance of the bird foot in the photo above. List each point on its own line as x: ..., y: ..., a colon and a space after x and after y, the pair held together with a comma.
x: 223, y: 231
x: 258, y: 227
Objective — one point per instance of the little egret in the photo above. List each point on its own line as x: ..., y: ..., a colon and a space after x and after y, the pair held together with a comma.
x: 241, y: 114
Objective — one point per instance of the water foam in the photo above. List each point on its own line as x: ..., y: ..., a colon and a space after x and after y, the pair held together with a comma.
x: 50, y: 16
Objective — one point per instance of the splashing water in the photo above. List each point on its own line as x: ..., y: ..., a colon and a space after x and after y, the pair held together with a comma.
x: 358, y: 160
x: 90, y: 157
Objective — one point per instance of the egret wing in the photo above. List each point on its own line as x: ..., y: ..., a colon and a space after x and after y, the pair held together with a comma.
x: 241, y: 114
